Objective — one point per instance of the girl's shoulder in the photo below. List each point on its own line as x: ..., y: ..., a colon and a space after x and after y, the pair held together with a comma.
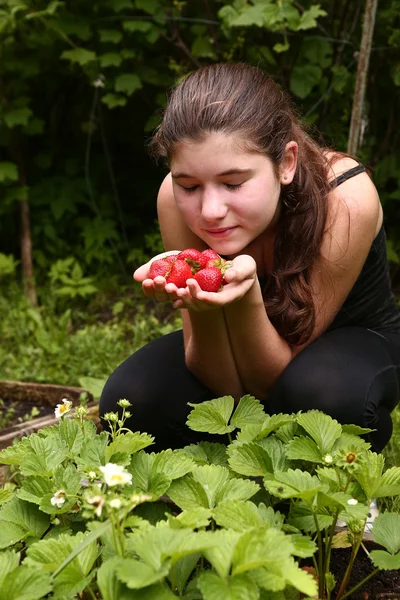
x: 356, y: 195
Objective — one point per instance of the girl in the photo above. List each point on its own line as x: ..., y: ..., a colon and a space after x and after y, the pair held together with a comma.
x: 307, y: 319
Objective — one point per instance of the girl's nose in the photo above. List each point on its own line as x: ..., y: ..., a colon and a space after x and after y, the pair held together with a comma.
x: 213, y: 206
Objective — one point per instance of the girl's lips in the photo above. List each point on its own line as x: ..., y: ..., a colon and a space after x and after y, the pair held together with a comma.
x: 222, y: 232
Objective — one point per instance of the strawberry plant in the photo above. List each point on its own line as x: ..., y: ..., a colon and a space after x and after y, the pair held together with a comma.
x: 98, y: 515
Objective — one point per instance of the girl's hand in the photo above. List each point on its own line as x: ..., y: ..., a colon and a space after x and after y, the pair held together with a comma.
x: 240, y: 277
x: 158, y: 289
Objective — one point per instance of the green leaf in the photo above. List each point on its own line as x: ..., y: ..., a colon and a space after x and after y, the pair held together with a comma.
x: 304, y: 448
x: 110, y: 35
x: 237, y: 515
x: 8, y: 172
x: 195, y: 518
x: 309, y: 17
x: 259, y: 547
x: 128, y: 83
x: 94, y: 385
x: 302, y: 516
x: 9, y: 560
x: 249, y: 15
x: 238, y: 587
x: 207, y: 453
x: 132, y: 26
x: 113, y: 100
x: 182, y: 569
x: 212, y: 416
x: 110, y: 59
x: 385, y: 561
x: 389, y: 484
x: 248, y: 411
x: 370, y: 473
x: 249, y: 459
x: 128, y: 443
x: 274, y: 423
x: 386, y: 531
x: 25, y: 583
x: 202, y: 47
x: 17, y: 116
x: 47, y: 454
x: 236, y: 489
x: 188, y: 493
x: 118, y: 5
x: 23, y: 516
x: 79, y: 55
x: 304, y: 78
x: 172, y: 463
x: 34, y: 488
x: 221, y: 553
x: 148, y: 6
x: 6, y: 495
x: 109, y: 585
x: 304, y: 546
x: 277, y: 452
x: 293, y: 484
x: 136, y: 574
x: 322, y: 428
x: 211, y: 478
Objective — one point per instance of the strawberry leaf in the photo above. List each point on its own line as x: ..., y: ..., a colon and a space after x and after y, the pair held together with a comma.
x: 248, y: 411
x: 322, y: 428
x: 386, y: 531
x: 212, y: 416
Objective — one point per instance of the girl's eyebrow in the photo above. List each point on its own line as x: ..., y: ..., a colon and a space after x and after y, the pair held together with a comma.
x: 180, y: 175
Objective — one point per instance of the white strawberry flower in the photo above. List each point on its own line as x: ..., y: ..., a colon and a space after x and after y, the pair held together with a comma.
x: 98, y: 502
x: 115, y: 503
x: 328, y: 459
x: 115, y: 475
x: 62, y: 409
x: 58, y: 499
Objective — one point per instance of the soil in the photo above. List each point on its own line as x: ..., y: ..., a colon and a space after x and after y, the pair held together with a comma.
x: 385, y: 585
x: 21, y: 411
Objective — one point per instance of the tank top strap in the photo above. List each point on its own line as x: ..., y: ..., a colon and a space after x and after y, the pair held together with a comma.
x: 347, y: 175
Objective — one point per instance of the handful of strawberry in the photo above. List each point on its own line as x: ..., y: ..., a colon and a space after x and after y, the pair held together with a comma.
x: 206, y: 267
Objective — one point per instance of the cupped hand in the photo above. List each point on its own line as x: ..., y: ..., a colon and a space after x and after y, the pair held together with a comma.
x: 158, y: 289
x: 240, y: 277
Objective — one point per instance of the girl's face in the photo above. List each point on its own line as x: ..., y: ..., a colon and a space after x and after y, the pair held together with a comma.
x: 227, y: 196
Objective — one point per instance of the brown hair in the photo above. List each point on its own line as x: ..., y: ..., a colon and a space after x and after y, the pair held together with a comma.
x: 241, y: 100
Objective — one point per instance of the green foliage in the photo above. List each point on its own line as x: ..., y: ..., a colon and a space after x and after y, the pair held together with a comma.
x: 67, y: 340
x: 85, y: 514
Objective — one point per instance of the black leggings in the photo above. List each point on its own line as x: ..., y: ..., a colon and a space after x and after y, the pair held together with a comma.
x: 352, y: 374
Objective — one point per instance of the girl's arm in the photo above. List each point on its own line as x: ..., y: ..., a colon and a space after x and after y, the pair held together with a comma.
x: 207, y: 347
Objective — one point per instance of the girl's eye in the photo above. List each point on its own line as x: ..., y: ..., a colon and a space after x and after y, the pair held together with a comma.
x: 234, y: 186
x: 188, y: 190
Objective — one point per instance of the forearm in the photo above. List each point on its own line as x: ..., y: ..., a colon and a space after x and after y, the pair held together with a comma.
x: 260, y: 353
x: 209, y: 354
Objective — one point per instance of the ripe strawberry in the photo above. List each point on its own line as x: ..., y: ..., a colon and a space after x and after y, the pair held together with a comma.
x: 159, y: 267
x: 207, y: 255
x: 209, y: 279
x: 179, y: 273
x: 170, y: 259
x: 189, y: 253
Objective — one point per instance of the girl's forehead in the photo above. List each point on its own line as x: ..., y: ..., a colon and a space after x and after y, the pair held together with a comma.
x: 217, y: 143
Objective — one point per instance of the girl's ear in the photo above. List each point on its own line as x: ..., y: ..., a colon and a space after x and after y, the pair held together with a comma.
x: 288, y: 166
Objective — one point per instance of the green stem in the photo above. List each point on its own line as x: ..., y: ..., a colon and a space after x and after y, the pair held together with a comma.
x: 347, y: 574
x: 321, y: 574
x: 328, y: 542
x: 356, y: 587
x: 229, y: 437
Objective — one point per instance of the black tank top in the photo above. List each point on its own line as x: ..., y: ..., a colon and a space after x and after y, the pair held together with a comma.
x: 371, y: 302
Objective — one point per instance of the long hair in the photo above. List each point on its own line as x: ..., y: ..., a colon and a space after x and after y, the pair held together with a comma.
x: 241, y: 100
